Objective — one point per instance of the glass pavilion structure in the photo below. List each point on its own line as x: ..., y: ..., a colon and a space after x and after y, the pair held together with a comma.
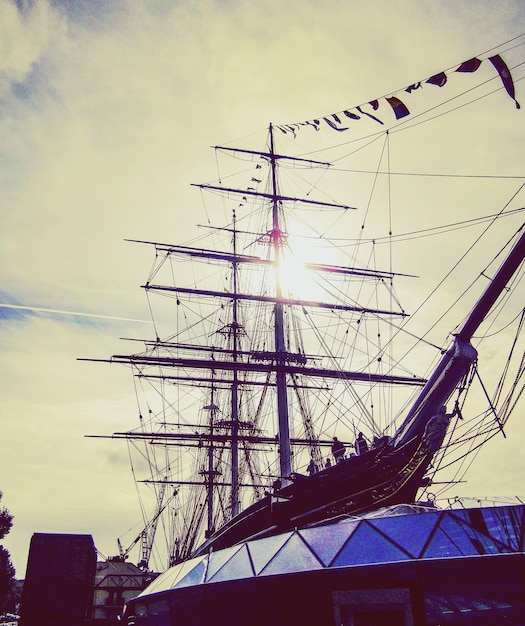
x: 401, y: 566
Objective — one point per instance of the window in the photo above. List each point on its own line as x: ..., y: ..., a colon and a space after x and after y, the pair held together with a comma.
x: 372, y: 607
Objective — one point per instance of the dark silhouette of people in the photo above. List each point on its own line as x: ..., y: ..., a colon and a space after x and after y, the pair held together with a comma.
x: 312, y: 468
x: 328, y: 463
x: 361, y: 445
x: 338, y: 450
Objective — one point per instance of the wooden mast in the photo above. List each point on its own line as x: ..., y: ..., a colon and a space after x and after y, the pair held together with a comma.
x: 285, y: 452
x: 235, y: 328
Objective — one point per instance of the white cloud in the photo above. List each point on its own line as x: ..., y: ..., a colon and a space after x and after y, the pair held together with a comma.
x: 107, y: 116
x: 24, y: 39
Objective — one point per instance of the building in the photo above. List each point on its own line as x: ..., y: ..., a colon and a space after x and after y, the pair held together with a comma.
x: 58, y: 587
x: 65, y: 586
x: 403, y: 566
x: 116, y: 582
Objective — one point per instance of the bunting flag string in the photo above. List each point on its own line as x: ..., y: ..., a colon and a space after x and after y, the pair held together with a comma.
x: 339, y: 121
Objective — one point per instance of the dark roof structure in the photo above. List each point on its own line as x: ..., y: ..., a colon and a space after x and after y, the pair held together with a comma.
x: 405, y: 565
x: 394, y: 534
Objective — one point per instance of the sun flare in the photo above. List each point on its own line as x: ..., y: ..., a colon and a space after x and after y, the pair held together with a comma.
x: 295, y: 278
x: 292, y: 274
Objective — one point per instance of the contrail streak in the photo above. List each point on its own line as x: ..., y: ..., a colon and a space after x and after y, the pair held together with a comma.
x: 37, y: 309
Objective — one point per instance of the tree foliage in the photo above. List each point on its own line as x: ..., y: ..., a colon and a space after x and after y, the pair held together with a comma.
x: 7, y: 581
x: 7, y: 571
x: 6, y: 520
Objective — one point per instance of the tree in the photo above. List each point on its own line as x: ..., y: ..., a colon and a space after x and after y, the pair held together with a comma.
x: 7, y: 571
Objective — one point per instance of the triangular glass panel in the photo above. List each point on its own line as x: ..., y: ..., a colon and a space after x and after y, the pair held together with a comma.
x: 482, y: 543
x: 217, y: 559
x: 326, y: 541
x: 505, y: 524
x: 366, y: 545
x: 408, y: 531
x: 450, y: 539
x: 294, y: 556
x: 463, y: 514
x: 238, y: 566
x: 262, y: 550
x: 195, y: 577
x: 164, y: 581
x: 184, y: 568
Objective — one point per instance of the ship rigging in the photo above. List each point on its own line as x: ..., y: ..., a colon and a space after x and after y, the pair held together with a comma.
x: 281, y: 364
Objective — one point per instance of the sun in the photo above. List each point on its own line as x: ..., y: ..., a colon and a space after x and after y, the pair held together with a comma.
x: 292, y: 274
x: 296, y: 278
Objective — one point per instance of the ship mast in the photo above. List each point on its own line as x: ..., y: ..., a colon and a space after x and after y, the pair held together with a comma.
x: 231, y: 366
x: 235, y: 328
x: 211, y: 472
x: 285, y: 453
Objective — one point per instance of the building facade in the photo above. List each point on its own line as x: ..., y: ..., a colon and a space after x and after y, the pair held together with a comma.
x: 116, y: 582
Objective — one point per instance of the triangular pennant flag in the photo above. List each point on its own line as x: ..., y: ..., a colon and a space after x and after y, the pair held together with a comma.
x: 469, y: 66
x: 505, y: 76
x: 333, y: 125
x: 413, y: 87
x: 315, y: 123
x: 338, y: 120
x: 438, y: 79
x: 398, y: 107
x: 369, y: 115
x: 335, y: 120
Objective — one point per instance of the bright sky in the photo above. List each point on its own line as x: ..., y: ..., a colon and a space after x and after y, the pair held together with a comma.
x: 107, y: 112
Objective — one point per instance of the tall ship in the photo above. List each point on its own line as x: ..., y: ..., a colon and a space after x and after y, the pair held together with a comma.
x: 285, y: 384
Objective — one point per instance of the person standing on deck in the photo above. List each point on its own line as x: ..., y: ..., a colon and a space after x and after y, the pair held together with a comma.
x: 360, y: 444
x: 338, y: 450
x: 312, y: 468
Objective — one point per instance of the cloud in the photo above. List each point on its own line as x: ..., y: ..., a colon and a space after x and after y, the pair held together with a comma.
x: 107, y: 112
x: 24, y: 36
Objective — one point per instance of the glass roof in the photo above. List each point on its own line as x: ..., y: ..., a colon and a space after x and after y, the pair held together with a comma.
x: 391, y: 535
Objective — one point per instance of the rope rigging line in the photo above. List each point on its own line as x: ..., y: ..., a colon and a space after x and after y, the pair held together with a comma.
x: 456, y: 265
x: 499, y: 417
x: 346, y: 384
x: 507, y: 408
x: 430, y: 175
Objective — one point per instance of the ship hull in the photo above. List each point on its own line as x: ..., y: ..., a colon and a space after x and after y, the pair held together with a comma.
x: 382, y: 476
